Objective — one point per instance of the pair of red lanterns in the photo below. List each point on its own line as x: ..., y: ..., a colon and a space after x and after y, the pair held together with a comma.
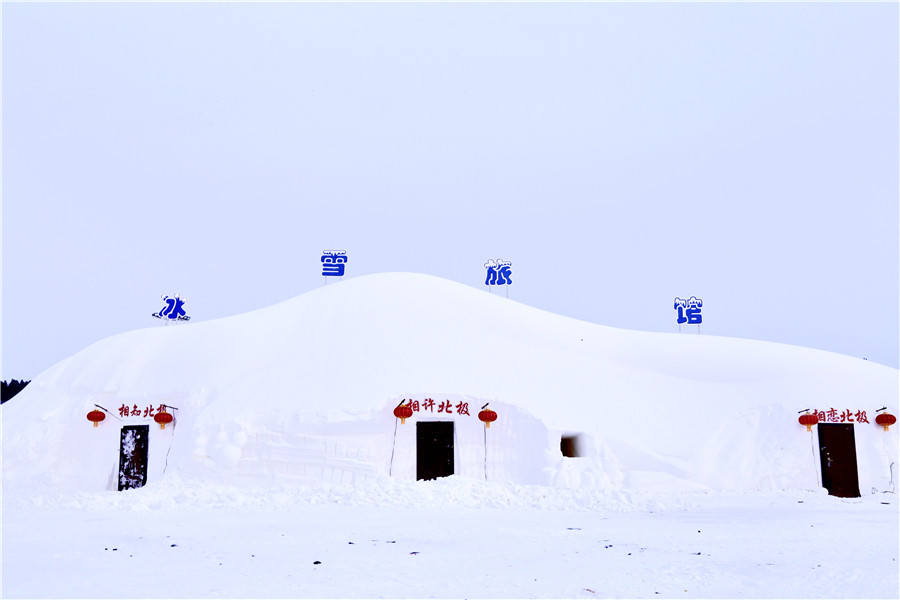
x: 162, y: 417
x: 884, y: 419
x: 405, y: 411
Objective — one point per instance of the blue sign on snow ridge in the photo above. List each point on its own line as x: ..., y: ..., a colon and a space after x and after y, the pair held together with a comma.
x: 689, y: 310
x: 499, y: 272
x: 333, y: 262
x: 173, y: 310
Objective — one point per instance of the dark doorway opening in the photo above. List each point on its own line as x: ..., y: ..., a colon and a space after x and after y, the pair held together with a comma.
x: 434, y: 449
x: 570, y: 446
x: 837, y: 451
x: 133, y: 456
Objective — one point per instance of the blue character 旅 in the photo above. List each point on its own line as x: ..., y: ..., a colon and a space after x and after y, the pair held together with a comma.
x: 499, y: 272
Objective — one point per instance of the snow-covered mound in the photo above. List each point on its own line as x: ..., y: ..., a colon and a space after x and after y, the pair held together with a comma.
x: 304, y: 391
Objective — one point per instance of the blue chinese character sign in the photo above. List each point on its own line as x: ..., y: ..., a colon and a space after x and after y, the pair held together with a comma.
x: 688, y: 311
x: 499, y: 272
x: 333, y: 262
x: 173, y: 310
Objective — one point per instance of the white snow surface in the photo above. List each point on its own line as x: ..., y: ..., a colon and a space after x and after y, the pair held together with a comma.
x: 285, y: 473
x: 447, y: 538
x: 304, y: 390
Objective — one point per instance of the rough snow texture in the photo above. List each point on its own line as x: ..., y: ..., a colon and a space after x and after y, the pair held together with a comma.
x: 302, y: 392
x: 448, y: 538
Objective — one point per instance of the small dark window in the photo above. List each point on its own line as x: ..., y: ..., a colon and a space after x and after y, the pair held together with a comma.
x: 569, y: 446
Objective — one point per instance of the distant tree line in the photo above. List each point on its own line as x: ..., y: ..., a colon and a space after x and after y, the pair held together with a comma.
x: 8, y: 390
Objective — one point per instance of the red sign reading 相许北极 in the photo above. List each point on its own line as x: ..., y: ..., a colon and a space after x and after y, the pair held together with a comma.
x: 444, y: 406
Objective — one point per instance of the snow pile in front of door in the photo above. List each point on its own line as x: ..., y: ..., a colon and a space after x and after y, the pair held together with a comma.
x: 303, y: 391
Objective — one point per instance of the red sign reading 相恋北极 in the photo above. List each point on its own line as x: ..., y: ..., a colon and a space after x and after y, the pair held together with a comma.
x: 834, y: 415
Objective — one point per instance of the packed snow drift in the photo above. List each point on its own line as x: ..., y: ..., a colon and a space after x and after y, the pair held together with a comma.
x: 303, y: 392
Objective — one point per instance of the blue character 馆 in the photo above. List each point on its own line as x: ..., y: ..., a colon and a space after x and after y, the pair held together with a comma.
x: 689, y: 310
x: 693, y: 311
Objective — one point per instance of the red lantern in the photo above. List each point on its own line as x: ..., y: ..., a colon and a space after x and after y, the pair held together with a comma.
x: 487, y: 416
x: 809, y: 420
x: 95, y: 416
x: 162, y: 417
x: 886, y: 420
x: 403, y: 412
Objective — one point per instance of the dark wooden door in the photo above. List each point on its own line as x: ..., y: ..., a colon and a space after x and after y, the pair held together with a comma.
x: 434, y: 449
x: 133, y: 456
x: 837, y: 451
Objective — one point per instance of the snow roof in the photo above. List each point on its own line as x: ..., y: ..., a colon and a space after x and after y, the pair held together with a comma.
x: 691, y: 406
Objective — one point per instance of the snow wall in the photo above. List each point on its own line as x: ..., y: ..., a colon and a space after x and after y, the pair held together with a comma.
x: 303, y: 392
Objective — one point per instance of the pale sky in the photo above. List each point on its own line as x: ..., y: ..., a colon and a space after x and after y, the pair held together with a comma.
x: 619, y: 155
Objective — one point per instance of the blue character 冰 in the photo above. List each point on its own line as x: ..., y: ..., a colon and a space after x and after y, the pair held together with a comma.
x: 173, y: 310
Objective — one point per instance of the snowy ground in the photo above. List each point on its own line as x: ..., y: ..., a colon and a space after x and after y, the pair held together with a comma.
x: 261, y: 398
x: 449, y: 538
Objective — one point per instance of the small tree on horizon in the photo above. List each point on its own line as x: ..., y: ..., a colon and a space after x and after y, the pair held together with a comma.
x: 10, y: 389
